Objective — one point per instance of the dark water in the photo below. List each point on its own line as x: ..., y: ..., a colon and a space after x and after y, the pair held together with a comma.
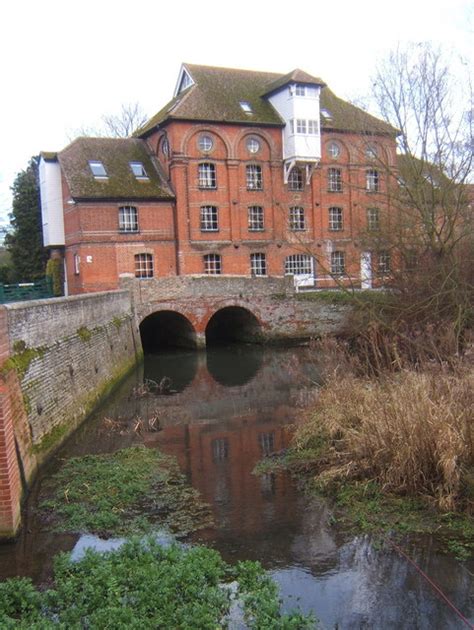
x: 223, y: 411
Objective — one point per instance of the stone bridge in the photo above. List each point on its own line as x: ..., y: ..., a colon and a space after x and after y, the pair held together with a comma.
x: 195, y: 311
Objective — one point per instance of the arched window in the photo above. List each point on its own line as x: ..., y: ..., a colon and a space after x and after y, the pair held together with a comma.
x: 143, y: 266
x: 128, y: 219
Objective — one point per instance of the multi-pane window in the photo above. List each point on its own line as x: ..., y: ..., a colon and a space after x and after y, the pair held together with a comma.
x: 301, y: 125
x: 209, y: 219
x: 205, y: 143
x: 295, y: 179
x: 143, y: 266
x: 298, y: 264
x: 207, y: 175
x: 338, y: 263
x: 300, y: 90
x: 255, y: 216
x: 384, y: 262
x: 258, y: 264
x: 335, y: 219
x: 334, y: 180
x: 313, y: 127
x: 297, y: 218
x: 128, y: 219
x: 373, y: 219
x: 333, y: 150
x: 254, y: 177
x: 213, y: 264
x: 372, y: 180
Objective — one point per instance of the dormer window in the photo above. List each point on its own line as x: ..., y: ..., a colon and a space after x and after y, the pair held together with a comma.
x: 246, y: 107
x: 98, y: 169
x: 186, y: 81
x: 138, y: 170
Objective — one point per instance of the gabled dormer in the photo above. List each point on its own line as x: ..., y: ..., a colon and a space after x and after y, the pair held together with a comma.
x: 185, y: 81
x: 296, y: 97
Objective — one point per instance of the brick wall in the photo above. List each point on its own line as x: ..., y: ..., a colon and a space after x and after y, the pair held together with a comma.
x: 59, y: 357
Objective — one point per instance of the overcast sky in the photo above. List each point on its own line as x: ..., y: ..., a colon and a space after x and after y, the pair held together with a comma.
x: 65, y: 63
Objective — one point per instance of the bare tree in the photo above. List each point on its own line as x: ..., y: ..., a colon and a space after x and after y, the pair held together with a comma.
x: 122, y: 125
x: 427, y: 228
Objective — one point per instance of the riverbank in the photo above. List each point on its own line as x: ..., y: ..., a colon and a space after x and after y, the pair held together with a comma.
x: 394, y: 452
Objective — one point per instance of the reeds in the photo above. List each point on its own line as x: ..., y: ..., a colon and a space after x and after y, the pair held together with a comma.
x: 409, y: 430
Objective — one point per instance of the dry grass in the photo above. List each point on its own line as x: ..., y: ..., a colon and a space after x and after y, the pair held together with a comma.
x: 411, y: 431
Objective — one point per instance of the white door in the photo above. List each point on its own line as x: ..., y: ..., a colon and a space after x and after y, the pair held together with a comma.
x: 365, y: 270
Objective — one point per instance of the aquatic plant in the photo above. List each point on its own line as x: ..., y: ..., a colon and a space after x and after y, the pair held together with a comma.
x: 130, y: 491
x: 143, y: 585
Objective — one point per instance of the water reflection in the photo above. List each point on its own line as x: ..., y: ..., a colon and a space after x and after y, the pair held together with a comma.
x: 230, y: 409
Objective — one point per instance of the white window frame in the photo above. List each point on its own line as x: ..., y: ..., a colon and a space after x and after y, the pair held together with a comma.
x: 258, y: 264
x: 98, y: 169
x: 209, y: 219
x: 205, y: 143
x: 254, y: 177
x: 300, y: 89
x: 212, y: 264
x: 295, y: 179
x: 256, y: 219
x: 313, y: 127
x: 301, y: 126
x: 77, y: 264
x: 207, y: 176
x: 373, y: 219
x: 334, y: 179
x: 333, y: 150
x: 297, y: 219
x: 372, y: 180
x: 336, y: 219
x: 298, y: 264
x: 384, y: 260
x: 128, y: 219
x: 253, y: 144
x: 138, y: 170
x: 338, y: 263
x: 246, y: 107
x: 144, y: 267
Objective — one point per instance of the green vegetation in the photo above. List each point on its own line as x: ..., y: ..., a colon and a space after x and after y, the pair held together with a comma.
x: 131, y: 491
x: 22, y: 358
x: 84, y: 333
x: 394, y: 452
x: 353, y: 298
x: 51, y: 439
x: 54, y: 270
x: 143, y: 585
x: 117, y: 322
x: 24, y: 241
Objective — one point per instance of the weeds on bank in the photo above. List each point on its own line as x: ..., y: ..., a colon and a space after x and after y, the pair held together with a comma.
x: 142, y: 585
x: 115, y: 494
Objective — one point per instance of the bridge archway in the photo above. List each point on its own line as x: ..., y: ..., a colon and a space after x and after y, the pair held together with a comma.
x: 233, y: 324
x: 163, y: 330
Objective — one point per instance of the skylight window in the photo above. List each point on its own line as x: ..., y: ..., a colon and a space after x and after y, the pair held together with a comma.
x: 138, y: 170
x: 97, y: 168
x: 245, y: 105
x: 326, y: 114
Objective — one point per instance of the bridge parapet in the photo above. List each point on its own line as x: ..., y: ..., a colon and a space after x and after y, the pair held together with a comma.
x: 177, y: 287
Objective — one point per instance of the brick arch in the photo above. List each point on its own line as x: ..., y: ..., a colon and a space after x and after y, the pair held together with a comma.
x: 346, y: 151
x: 167, y: 326
x: 196, y: 130
x: 259, y: 133
x: 232, y: 322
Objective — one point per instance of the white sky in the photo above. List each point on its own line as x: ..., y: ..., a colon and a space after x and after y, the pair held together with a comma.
x: 64, y: 63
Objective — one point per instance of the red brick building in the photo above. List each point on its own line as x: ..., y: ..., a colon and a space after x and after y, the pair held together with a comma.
x: 241, y: 173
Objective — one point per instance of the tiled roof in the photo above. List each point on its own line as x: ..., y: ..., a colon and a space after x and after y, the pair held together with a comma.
x: 216, y: 94
x: 115, y: 154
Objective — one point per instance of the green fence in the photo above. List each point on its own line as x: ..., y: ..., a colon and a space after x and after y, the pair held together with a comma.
x: 26, y: 291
